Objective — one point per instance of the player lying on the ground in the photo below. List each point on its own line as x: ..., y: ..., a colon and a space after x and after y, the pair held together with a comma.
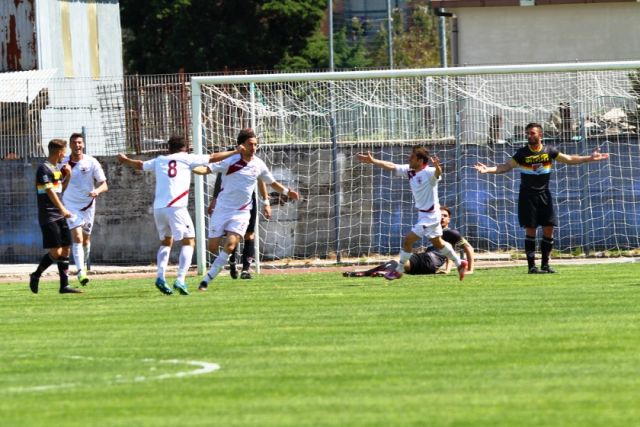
x: 429, y: 261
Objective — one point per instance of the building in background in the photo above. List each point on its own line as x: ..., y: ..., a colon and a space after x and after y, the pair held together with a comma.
x: 52, y: 54
x: 542, y: 31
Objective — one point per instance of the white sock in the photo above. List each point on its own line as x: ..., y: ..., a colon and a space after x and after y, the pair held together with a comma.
x: 163, y: 260
x: 217, y: 265
x: 78, y: 256
x: 87, y: 250
x: 404, y: 257
x: 448, y: 251
x: 186, y: 255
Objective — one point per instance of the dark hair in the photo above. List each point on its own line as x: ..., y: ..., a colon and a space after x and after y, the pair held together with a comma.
x: 421, y: 153
x: 246, y: 133
x: 533, y: 125
x: 76, y: 135
x: 177, y: 143
x: 445, y: 208
x: 56, y: 145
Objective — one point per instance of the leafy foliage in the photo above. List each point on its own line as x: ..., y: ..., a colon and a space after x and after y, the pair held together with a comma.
x: 163, y: 36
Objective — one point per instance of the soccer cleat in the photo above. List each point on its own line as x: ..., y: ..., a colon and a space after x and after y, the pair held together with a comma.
x: 393, y: 275
x: 353, y: 274
x: 534, y: 270
x: 233, y: 271
x: 245, y: 275
x: 203, y: 286
x: 180, y: 287
x: 34, y: 281
x: 162, y: 286
x: 70, y: 290
x: 547, y: 269
x: 462, y: 268
x: 83, y: 279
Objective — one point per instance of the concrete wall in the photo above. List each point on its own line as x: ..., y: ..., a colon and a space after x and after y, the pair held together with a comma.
x: 599, y: 203
x: 548, y: 33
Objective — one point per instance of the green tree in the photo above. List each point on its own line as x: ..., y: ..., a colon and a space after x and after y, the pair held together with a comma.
x: 163, y: 36
x: 414, y: 47
x: 346, y: 54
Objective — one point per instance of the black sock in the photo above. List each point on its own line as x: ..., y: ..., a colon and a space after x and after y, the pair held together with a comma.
x: 546, y: 245
x: 248, y: 253
x: 233, y: 257
x: 63, y: 270
x: 530, y: 250
x: 45, y: 262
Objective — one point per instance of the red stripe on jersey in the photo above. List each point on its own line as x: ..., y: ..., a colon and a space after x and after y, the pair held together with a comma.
x: 177, y: 198
x: 243, y: 207
x: 236, y: 166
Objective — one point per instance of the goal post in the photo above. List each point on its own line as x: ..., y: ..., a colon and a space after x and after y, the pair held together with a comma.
x: 311, y: 125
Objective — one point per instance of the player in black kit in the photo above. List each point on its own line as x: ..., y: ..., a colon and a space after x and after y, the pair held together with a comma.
x: 52, y: 214
x: 429, y: 261
x: 535, y: 203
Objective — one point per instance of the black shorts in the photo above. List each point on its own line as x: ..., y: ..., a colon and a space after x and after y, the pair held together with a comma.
x: 426, y: 263
x: 252, y: 220
x: 55, y: 234
x: 536, y: 210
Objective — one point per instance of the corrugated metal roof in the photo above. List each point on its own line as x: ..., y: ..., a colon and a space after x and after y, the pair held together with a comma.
x: 23, y: 86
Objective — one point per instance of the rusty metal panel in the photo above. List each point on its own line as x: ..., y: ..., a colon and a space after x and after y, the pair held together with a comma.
x: 18, y: 48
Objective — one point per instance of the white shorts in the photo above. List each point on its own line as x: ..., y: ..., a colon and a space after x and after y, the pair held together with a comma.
x: 426, y: 227
x: 174, y: 222
x: 81, y: 218
x: 228, y: 221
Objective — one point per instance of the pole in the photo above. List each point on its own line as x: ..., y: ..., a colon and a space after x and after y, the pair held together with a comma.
x: 442, y: 29
x: 390, y: 34
x: 331, y: 63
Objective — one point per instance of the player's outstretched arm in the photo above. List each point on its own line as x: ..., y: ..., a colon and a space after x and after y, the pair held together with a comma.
x: 201, y: 170
x: 368, y: 158
x: 219, y: 156
x: 293, y: 195
x: 436, y: 164
x: 134, y: 164
x: 505, y: 167
x: 576, y: 160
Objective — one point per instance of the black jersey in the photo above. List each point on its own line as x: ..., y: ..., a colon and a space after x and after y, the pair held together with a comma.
x: 431, y: 260
x: 535, y: 167
x: 48, y: 176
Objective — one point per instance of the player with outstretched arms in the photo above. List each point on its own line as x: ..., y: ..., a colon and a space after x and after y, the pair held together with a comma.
x: 423, y: 180
x: 232, y: 212
x: 535, y: 202
x: 173, y: 222
x: 87, y: 182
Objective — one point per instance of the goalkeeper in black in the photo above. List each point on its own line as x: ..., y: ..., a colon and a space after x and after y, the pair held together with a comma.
x: 430, y: 261
x: 535, y: 203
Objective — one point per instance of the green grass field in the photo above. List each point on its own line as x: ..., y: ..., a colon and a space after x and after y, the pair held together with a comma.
x: 502, y: 348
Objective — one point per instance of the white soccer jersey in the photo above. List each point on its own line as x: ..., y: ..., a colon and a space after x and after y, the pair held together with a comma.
x: 238, y: 180
x: 424, y: 186
x: 173, y: 177
x: 84, y: 175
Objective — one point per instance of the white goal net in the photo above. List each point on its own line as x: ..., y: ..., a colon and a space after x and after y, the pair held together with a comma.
x: 310, y: 126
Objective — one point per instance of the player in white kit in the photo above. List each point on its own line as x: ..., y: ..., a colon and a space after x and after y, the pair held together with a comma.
x: 87, y: 182
x: 231, y: 215
x: 173, y: 222
x: 423, y: 180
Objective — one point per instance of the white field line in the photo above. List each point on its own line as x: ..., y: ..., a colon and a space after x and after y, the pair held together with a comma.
x: 202, y: 369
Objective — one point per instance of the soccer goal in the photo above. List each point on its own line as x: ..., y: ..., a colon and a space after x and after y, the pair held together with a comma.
x: 311, y: 125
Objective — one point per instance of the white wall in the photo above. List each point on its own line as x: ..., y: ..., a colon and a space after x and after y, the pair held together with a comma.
x: 540, y: 34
